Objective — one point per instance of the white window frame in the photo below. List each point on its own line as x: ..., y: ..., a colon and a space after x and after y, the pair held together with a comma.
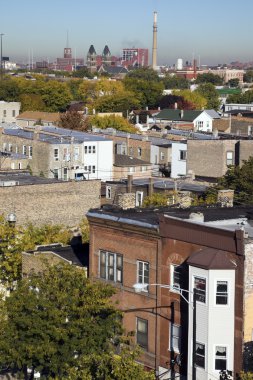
x: 227, y: 356
x: 30, y: 151
x: 172, y: 347
x: 117, y: 269
x: 193, y: 286
x: 172, y: 270
x: 230, y: 160
x: 56, y: 173
x: 203, y: 344
x: 108, y: 192
x: 184, y: 154
x: 76, y: 153
x: 65, y: 174
x: 139, y: 150
x: 24, y: 150
x: 140, y: 273
x: 162, y: 156
x: 215, y: 293
x: 94, y: 149
x: 137, y: 203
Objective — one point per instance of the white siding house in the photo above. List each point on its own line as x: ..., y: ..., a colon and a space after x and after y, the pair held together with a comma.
x: 214, y: 321
x: 9, y: 111
x: 178, y: 159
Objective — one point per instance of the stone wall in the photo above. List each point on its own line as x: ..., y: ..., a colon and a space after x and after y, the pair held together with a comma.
x: 57, y: 203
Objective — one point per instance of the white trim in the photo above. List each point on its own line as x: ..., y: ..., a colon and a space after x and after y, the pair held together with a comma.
x: 215, y: 290
x: 206, y: 292
x: 227, y: 356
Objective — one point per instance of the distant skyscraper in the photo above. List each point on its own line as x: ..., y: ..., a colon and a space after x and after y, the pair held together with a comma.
x: 154, y: 51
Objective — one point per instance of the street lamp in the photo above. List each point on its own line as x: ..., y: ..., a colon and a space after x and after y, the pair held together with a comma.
x: 1, y: 48
x: 144, y: 287
x: 12, y: 219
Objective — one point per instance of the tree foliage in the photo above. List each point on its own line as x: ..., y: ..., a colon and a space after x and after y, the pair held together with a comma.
x: 9, y: 91
x: 112, y: 121
x: 245, y: 98
x: 54, y: 319
x: 144, y: 73
x: 73, y: 120
x: 209, y: 78
x: 111, y: 367
x: 208, y: 91
x: 169, y: 101
x: 234, y: 82
x: 248, y: 76
x: 156, y: 199
x: 239, y: 179
x: 175, y: 82
x: 193, y: 97
x: 148, y: 92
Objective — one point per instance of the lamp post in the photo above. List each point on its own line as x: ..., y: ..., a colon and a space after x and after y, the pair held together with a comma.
x: 1, y: 48
x: 12, y: 219
x: 144, y: 287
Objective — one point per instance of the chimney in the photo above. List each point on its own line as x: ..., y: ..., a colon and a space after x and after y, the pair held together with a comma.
x: 182, y: 114
x: 129, y: 183
x: 150, y: 186
x: 175, y: 106
x: 154, y: 50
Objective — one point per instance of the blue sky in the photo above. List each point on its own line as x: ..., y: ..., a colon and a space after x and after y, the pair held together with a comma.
x: 217, y: 31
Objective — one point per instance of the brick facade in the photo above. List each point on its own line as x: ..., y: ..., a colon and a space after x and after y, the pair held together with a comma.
x: 57, y: 203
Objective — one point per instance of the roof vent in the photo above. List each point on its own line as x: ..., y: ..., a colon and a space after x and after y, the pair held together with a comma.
x: 196, y: 216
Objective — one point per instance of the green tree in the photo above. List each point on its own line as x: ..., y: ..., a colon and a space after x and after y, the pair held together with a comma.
x: 248, y: 76
x: 246, y: 376
x: 145, y: 74
x: 55, y: 319
x: 83, y: 73
x: 156, y: 199
x: 175, y: 82
x: 148, y: 92
x: 239, y: 179
x: 111, y: 367
x: 121, y: 102
x: 111, y: 121
x: 245, y: 98
x: 208, y: 91
x: 209, y: 78
x: 233, y: 82
x: 193, y: 97
x: 56, y: 96
x: 9, y: 91
x: 32, y: 102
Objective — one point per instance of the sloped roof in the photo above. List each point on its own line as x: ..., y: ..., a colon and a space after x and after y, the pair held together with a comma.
x: 113, y: 70
x: 106, y: 50
x: 92, y: 50
x: 124, y: 160
x: 210, y: 258
x: 178, y: 115
x: 213, y: 114
x: 36, y: 115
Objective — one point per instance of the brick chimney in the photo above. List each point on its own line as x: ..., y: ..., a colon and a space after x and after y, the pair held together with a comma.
x: 129, y: 183
x: 150, y: 186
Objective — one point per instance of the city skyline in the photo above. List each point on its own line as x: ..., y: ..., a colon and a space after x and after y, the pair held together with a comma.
x: 212, y: 33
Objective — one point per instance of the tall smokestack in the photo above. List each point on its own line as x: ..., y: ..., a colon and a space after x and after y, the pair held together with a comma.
x: 154, y: 51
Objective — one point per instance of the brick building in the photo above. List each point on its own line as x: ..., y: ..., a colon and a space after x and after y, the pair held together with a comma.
x: 186, y: 251
x: 41, y: 201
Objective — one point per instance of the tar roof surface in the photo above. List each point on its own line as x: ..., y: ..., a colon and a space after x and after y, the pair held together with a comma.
x: 27, y: 179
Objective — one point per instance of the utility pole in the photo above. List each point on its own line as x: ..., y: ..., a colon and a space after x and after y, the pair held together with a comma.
x: 1, y: 35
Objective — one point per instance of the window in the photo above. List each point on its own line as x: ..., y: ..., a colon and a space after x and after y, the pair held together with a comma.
x: 30, y: 151
x: 108, y: 192
x: 162, y: 156
x: 20, y: 165
x: 131, y: 169
x: 93, y: 169
x: 65, y: 174
x: 111, y: 266
x: 200, y: 286
x: 56, y: 173
x: 56, y: 154
x: 10, y: 148
x: 139, y: 152
x: 76, y: 153
x: 175, y: 337
x: 142, y: 333
x: 89, y: 148
x: 13, y: 113
x: 24, y: 150
x: 175, y: 275
x: 182, y: 155
x: 221, y: 293
x: 220, y: 358
x: 200, y: 125
x: 139, y: 198
x: 85, y: 149
x: 230, y: 158
x: 94, y: 149
x: 89, y: 168
x: 66, y: 155
x: 5, y: 113
x: 5, y: 147
x: 200, y: 355
x: 142, y: 272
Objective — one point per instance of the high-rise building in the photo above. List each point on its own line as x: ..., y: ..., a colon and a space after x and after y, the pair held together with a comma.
x: 92, y: 59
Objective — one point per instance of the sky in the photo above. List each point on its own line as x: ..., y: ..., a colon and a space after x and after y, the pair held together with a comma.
x: 214, y: 31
